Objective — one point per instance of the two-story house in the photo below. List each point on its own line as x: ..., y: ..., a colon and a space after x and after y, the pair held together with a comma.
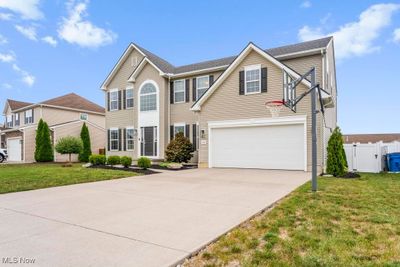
x: 220, y: 105
x: 65, y: 116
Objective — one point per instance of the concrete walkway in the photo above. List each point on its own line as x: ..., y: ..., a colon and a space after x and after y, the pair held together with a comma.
x: 154, y: 220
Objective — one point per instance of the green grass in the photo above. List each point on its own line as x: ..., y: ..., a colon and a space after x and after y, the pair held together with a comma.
x: 349, y: 222
x: 21, y: 177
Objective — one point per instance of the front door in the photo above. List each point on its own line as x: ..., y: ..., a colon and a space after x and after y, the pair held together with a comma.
x: 148, y: 142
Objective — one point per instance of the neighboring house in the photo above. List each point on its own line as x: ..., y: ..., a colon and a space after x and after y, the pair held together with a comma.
x: 371, y: 138
x: 65, y: 116
x: 2, y: 136
x: 219, y: 106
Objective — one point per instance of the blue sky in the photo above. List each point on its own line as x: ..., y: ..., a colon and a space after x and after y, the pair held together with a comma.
x: 49, y: 48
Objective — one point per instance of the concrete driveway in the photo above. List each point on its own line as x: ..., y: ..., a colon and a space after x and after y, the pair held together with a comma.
x: 154, y: 220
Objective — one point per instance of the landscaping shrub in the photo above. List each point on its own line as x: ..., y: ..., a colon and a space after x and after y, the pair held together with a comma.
x: 144, y: 162
x: 44, y: 148
x: 97, y: 159
x: 86, y: 150
x: 69, y: 145
x: 336, y: 163
x: 179, y: 149
x: 126, y: 161
x: 113, y: 160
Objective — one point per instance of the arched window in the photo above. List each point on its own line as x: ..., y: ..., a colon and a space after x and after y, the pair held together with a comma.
x: 148, y: 97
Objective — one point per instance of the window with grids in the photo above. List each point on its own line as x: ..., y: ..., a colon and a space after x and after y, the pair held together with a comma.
x: 252, y: 79
x: 84, y: 116
x: 114, y: 139
x: 29, y: 116
x: 17, y: 121
x: 179, y: 129
x: 148, y: 98
x: 129, y: 98
x: 129, y: 138
x: 202, y: 84
x: 9, y: 121
x: 114, y: 100
x: 179, y: 91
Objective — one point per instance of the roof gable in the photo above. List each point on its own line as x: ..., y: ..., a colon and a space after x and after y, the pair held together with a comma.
x: 15, y: 105
x: 250, y: 47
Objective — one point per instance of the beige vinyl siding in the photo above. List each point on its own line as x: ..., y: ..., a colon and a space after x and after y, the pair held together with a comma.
x: 30, y: 143
x: 55, y: 116
x: 227, y: 104
x: 97, y: 138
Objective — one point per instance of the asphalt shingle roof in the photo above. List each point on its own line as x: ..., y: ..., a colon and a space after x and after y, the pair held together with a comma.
x: 74, y: 101
x: 14, y: 104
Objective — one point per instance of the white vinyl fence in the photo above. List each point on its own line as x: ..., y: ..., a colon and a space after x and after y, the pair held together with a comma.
x: 369, y: 157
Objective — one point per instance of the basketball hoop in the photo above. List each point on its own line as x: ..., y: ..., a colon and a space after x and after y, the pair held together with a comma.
x: 274, y: 107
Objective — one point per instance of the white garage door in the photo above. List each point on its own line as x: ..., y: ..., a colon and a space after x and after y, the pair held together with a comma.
x: 279, y: 147
x: 14, y: 149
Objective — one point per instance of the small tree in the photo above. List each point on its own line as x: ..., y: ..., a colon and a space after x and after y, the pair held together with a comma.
x: 38, y: 140
x: 44, y: 147
x: 69, y: 145
x: 86, y: 150
x: 179, y: 149
x: 336, y: 163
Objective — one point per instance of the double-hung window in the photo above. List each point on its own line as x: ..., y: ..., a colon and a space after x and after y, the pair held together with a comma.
x: 148, y: 98
x: 114, y: 100
x: 179, y: 128
x: 129, y: 98
x: 9, y: 121
x: 252, y: 79
x: 114, y: 139
x: 17, y: 121
x: 202, y: 84
x: 84, y: 116
x: 129, y: 138
x: 179, y: 91
x: 29, y: 116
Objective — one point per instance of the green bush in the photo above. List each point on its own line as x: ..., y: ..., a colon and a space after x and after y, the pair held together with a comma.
x: 44, y: 148
x: 179, y: 149
x: 87, y: 150
x: 336, y: 163
x: 144, y: 162
x: 113, y: 160
x: 126, y: 161
x: 97, y: 159
x: 69, y: 145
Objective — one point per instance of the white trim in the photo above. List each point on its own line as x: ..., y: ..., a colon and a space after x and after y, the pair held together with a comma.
x: 180, y: 124
x: 80, y: 116
x: 197, y: 84
x: 133, y: 138
x: 184, y: 91
x: 250, y: 68
x: 109, y: 141
x: 250, y: 47
x: 300, y: 119
x: 126, y: 97
x: 301, y: 53
x: 22, y: 147
x: 119, y: 63
x: 207, y: 70
x: 111, y: 91
x: 141, y: 66
x: 54, y: 106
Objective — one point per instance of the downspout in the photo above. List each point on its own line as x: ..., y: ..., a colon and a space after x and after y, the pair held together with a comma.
x: 169, y: 106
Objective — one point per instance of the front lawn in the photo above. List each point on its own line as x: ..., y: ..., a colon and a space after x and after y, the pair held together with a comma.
x: 349, y: 222
x: 21, y: 177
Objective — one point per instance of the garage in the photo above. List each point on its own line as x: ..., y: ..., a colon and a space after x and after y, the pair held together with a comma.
x: 278, y: 144
x: 14, y: 149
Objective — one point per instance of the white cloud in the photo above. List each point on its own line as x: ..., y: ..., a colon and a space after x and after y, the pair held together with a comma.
x: 7, y: 58
x: 76, y: 30
x: 306, y: 4
x: 27, y: 78
x: 6, y: 86
x: 3, y: 40
x: 29, y: 32
x: 28, y: 9
x: 396, y: 35
x: 356, y: 38
x: 6, y: 16
x: 50, y: 40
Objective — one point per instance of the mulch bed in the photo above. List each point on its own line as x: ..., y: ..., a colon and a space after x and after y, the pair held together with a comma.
x: 350, y: 175
x: 184, y: 167
x: 131, y: 169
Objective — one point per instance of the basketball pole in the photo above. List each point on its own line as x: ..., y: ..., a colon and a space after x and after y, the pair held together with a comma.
x: 314, y: 131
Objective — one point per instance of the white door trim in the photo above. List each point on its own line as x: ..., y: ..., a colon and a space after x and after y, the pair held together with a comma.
x: 8, y: 147
x: 300, y: 119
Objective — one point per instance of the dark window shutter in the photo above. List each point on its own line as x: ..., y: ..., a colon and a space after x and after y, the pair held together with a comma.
x: 124, y: 139
x: 171, y: 92
x: 194, y: 136
x: 108, y: 101
x: 211, y: 80
x: 187, y: 131
x: 194, y: 89
x: 187, y: 87
x: 241, y: 82
x: 108, y: 139
x: 119, y: 139
x: 25, y: 117
x: 171, y: 132
x: 119, y: 100
x: 264, y: 75
x: 33, y: 116
x: 124, y: 99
